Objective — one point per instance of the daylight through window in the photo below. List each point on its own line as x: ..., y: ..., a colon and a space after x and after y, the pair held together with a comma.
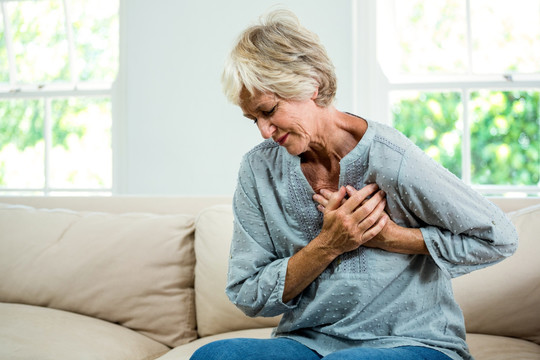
x: 59, y: 62
x: 464, y: 85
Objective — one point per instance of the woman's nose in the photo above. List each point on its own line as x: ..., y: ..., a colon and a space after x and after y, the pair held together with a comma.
x: 266, y: 128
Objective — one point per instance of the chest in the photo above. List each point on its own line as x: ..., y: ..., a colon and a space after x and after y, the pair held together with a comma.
x: 321, y: 177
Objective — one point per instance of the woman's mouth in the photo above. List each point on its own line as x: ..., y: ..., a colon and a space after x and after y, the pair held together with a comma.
x: 282, y: 139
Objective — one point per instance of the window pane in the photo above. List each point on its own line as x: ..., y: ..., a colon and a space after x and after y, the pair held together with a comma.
x: 21, y: 144
x: 81, y: 149
x: 39, y: 41
x: 4, y: 65
x: 505, y: 137
x: 95, y: 29
x: 424, y: 37
x: 432, y: 120
x: 506, y: 36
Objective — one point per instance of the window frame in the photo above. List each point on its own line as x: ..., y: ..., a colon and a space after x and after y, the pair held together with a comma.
x: 46, y: 92
x: 465, y: 84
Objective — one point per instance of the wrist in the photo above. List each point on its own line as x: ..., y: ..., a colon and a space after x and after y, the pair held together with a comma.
x: 321, y: 249
x: 404, y: 240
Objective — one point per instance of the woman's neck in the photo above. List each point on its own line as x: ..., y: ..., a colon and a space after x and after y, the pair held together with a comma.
x: 338, y: 134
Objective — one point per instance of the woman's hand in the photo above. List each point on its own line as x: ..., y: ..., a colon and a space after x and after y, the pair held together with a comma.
x: 391, y: 237
x: 353, y: 221
x: 348, y: 224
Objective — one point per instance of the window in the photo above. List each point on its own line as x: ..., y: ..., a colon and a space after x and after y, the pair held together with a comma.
x: 61, y: 59
x: 464, y: 85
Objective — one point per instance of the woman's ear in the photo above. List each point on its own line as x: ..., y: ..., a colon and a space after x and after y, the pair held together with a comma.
x: 315, y: 94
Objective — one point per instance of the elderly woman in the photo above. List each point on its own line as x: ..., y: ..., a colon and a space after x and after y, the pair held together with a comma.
x: 342, y: 225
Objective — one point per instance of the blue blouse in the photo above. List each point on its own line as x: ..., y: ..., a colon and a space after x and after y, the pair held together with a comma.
x: 367, y: 297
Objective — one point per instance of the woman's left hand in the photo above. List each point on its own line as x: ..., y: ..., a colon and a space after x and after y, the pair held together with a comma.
x: 392, y: 237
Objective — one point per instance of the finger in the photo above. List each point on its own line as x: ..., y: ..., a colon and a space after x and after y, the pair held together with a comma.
x: 369, y: 206
x: 350, y: 190
x: 336, y: 198
x: 365, y: 204
x: 324, y: 196
x: 368, y: 221
x: 375, y: 229
x: 358, y: 196
x: 320, y: 199
x: 326, y: 193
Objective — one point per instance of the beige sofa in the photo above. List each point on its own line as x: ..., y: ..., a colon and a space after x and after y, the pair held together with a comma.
x: 143, y: 278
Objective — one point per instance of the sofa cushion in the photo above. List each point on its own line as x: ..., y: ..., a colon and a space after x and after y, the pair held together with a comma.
x: 215, y: 313
x: 132, y: 269
x: 184, y: 352
x: 504, y: 299
x: 492, y: 347
x: 33, y: 332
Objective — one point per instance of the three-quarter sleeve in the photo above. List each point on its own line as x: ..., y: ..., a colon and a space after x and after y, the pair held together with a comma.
x: 256, y: 275
x: 463, y: 231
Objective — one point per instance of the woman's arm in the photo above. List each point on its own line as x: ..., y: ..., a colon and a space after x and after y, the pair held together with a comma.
x: 463, y: 231
x: 256, y: 274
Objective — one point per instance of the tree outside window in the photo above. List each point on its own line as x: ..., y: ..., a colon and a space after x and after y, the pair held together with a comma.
x: 61, y: 58
x: 464, y: 85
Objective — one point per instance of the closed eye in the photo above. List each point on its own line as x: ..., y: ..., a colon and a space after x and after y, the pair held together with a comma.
x: 269, y: 112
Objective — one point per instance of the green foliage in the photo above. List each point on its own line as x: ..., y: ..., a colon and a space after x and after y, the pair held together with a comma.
x: 21, y: 123
x: 505, y: 133
x: 62, y: 110
x: 41, y: 54
x: 40, y: 41
x: 505, y: 138
x: 429, y: 120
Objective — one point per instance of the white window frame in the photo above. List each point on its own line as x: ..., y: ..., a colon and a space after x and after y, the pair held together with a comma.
x: 373, y: 88
x: 46, y: 93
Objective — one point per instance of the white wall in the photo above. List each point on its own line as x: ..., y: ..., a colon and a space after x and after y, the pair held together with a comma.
x: 175, y: 133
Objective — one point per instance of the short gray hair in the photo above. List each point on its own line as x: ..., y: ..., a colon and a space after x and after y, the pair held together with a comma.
x: 280, y: 56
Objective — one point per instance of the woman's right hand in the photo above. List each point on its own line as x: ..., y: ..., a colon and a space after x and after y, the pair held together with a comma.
x: 350, y: 222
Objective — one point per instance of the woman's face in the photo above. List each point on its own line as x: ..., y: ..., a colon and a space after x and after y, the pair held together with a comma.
x: 290, y: 123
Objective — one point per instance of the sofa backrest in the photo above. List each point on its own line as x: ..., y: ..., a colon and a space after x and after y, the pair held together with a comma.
x: 191, y: 205
x: 215, y: 313
x: 134, y: 269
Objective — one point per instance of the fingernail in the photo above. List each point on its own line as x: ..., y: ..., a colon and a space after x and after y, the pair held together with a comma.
x: 350, y: 188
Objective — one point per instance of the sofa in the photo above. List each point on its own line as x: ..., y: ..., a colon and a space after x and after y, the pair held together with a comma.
x: 136, y: 278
